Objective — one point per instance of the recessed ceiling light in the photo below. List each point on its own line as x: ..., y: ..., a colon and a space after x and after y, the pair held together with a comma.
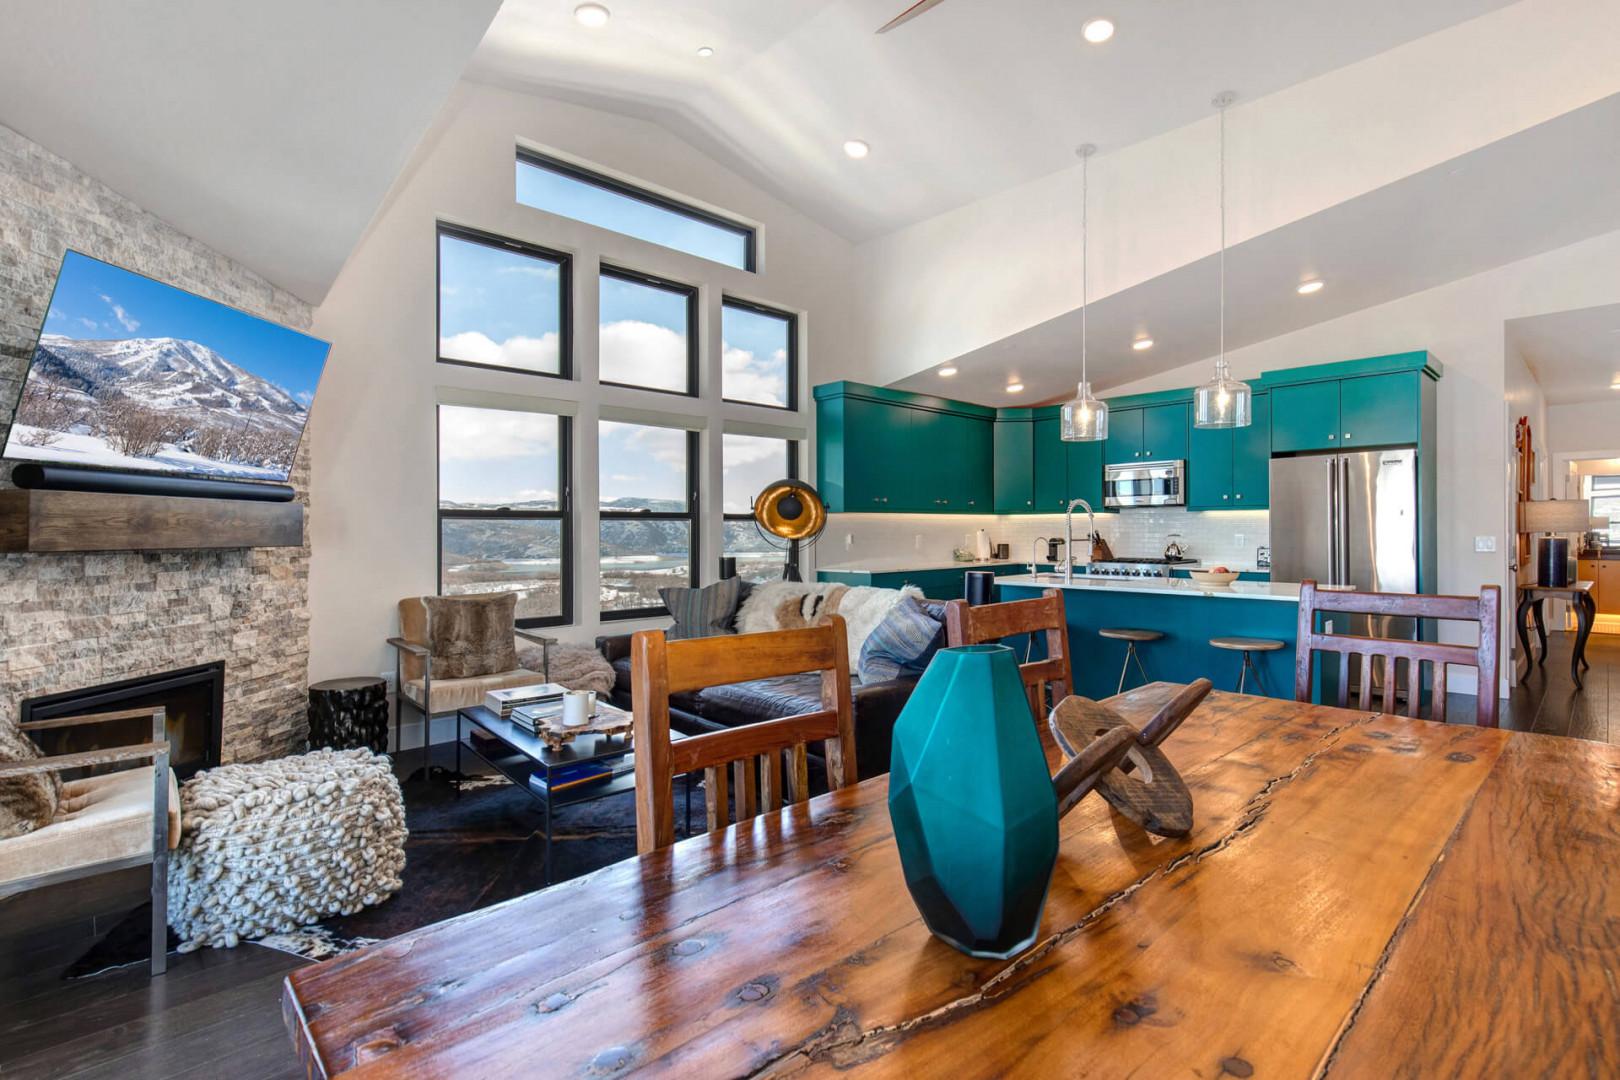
x: 1015, y: 388
x: 1142, y: 344
x: 705, y: 51
x: 947, y: 371
x: 1308, y: 287
x: 592, y: 15
x: 1098, y: 31
x: 856, y: 148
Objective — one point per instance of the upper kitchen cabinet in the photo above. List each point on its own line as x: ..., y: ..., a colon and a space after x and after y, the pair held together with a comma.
x: 1230, y: 468
x: 1352, y: 405
x: 1051, y: 466
x: 886, y: 451
x: 1148, y: 433
x: 1015, y: 464
x: 1085, y: 472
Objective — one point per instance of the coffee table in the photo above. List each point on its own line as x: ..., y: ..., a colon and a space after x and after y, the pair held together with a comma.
x: 522, y: 755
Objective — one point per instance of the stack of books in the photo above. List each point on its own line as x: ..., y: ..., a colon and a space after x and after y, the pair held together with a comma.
x: 504, y: 702
x: 536, y: 718
x: 581, y: 773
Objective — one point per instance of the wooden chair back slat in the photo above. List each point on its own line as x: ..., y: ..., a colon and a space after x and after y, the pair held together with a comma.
x: 750, y: 768
x: 1484, y: 610
x: 966, y: 625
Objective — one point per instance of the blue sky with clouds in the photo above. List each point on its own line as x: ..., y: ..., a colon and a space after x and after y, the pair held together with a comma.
x: 97, y: 301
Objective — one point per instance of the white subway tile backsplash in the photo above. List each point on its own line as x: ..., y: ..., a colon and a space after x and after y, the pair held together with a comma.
x: 1230, y: 537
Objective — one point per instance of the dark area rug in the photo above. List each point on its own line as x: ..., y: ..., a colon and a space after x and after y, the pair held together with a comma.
x: 464, y: 853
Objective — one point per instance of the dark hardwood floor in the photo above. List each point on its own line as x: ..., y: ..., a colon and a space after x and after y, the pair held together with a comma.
x: 217, y: 1012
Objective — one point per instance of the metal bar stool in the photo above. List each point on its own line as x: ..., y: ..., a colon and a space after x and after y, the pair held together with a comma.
x: 1247, y: 645
x: 1131, y: 636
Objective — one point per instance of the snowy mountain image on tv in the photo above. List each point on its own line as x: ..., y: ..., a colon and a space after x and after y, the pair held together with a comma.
x: 130, y: 373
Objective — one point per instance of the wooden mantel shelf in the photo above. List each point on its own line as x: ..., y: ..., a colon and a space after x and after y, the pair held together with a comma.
x: 63, y: 521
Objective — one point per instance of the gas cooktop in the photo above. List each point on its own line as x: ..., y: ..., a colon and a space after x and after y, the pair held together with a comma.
x: 1151, y: 560
x: 1154, y: 566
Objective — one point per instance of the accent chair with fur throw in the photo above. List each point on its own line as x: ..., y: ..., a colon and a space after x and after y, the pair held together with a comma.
x: 452, y: 650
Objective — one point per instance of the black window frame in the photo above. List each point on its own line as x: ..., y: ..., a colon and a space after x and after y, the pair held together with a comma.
x: 653, y: 281
x: 792, y: 352
x: 749, y: 233
x: 790, y: 557
x: 564, y: 512
x: 690, y: 516
x: 565, y: 297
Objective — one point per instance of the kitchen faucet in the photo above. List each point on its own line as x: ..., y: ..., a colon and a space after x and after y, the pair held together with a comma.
x: 1035, y: 555
x: 1068, y: 532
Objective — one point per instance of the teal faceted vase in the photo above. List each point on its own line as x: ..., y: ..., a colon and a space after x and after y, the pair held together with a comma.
x: 972, y: 804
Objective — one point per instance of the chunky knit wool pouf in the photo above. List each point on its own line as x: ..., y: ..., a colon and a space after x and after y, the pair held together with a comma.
x: 274, y: 845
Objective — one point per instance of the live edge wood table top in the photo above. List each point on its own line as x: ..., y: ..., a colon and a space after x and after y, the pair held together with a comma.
x: 1361, y: 895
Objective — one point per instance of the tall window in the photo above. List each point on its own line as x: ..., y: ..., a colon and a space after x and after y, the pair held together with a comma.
x: 1605, y: 496
x: 759, y: 355
x: 504, y: 521
x: 648, y: 335
x: 648, y: 500
x: 566, y: 190
x: 502, y: 304
x: 749, y: 463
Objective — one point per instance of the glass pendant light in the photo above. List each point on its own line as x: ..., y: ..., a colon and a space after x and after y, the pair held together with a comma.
x: 1223, y: 402
x: 1085, y: 419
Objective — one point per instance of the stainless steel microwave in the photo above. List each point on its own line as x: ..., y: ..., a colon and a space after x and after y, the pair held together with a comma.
x: 1151, y: 483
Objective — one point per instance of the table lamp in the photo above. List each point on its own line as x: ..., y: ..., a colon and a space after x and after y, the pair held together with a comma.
x: 1550, y: 517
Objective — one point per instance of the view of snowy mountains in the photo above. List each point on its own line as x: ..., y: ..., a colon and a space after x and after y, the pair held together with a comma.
x: 164, y: 403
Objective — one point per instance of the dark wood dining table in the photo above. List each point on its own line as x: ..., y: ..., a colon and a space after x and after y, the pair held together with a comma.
x: 1361, y: 895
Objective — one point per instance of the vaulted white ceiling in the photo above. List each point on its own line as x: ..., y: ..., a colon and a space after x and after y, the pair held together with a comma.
x: 270, y: 131
x: 1575, y: 354
x: 970, y: 98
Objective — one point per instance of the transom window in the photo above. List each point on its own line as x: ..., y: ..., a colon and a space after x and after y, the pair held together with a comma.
x: 759, y: 355
x: 504, y: 522
x: 647, y: 332
x: 749, y: 462
x: 567, y: 190
x: 502, y: 304
x: 1605, y: 498
x: 648, y: 504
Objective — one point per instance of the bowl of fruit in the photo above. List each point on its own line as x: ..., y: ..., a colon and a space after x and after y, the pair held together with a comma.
x: 1215, y: 575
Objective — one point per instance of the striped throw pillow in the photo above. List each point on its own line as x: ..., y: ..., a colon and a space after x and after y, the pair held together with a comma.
x: 705, y: 611
x: 903, y: 643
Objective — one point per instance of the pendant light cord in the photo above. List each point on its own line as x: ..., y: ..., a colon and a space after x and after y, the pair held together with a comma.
x: 1085, y: 255
x: 1223, y: 238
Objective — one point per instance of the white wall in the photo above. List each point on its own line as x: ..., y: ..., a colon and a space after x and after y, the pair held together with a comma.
x: 1462, y: 324
x: 1588, y: 426
x: 374, y: 531
x: 1003, y: 264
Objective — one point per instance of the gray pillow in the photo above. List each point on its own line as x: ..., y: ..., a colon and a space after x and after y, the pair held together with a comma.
x: 705, y: 611
x: 903, y: 643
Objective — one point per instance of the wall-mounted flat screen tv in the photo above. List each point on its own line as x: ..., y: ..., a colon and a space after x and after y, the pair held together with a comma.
x: 133, y: 374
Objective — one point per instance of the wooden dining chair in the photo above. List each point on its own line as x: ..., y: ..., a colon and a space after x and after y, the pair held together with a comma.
x: 966, y: 625
x: 660, y: 668
x: 1485, y: 609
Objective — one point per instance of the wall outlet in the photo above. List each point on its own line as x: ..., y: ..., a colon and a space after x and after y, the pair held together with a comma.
x: 916, y: 542
x: 1484, y: 543
x: 1239, y: 540
x: 849, y: 541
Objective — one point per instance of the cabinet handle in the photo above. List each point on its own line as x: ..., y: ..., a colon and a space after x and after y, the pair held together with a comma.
x: 1239, y: 495
x: 1347, y: 434
x: 1332, y: 436
x: 1223, y: 496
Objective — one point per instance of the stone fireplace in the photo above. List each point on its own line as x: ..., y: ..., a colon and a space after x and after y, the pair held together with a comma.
x: 193, y: 700
x: 73, y: 621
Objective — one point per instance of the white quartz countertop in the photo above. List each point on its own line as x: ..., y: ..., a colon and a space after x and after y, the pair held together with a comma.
x: 900, y: 566
x: 1287, y: 591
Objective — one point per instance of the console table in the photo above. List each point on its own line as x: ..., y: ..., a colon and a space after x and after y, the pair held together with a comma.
x: 1531, y: 599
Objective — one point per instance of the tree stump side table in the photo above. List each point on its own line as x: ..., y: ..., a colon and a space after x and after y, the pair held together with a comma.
x: 349, y: 713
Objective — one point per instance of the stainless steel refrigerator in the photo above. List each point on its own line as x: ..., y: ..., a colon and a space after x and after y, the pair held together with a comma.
x: 1349, y: 520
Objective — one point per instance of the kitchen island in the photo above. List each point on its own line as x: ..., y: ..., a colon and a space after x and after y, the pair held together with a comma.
x: 1186, y: 612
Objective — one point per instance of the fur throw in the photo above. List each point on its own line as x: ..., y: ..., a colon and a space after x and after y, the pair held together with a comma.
x: 788, y: 605
x: 272, y: 846
x: 864, y: 608
x: 27, y: 802
x: 471, y: 635
x: 578, y: 667
x: 760, y: 612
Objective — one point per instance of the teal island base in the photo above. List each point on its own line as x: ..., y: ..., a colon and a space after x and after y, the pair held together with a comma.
x: 1188, y: 616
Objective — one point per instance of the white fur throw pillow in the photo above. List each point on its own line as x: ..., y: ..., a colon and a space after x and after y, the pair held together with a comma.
x: 862, y: 606
x: 758, y: 612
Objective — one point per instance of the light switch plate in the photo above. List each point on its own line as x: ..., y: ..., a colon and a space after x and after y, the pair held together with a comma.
x: 1484, y: 543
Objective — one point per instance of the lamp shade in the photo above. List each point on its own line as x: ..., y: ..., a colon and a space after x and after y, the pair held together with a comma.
x: 1556, y: 516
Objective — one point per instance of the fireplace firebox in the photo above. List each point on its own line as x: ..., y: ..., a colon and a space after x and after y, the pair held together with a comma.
x: 192, y: 697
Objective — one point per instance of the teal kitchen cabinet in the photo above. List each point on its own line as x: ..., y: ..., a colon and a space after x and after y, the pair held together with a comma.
x: 1051, y: 467
x: 1230, y: 468
x: 1086, y: 472
x: 949, y: 456
x: 1251, y: 458
x: 1014, y: 449
x: 1379, y: 410
x: 1124, y: 443
x: 877, y: 437
x: 888, y: 451
x: 1164, y: 432
x: 1305, y: 417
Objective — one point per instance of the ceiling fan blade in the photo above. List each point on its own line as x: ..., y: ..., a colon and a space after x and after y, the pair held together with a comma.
x: 907, y: 15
